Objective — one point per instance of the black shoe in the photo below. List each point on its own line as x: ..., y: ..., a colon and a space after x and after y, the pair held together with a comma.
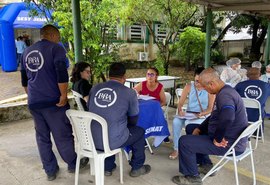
x: 141, y: 171
x: 83, y: 162
x: 205, y: 168
x: 51, y: 177
x: 109, y: 173
x: 167, y: 140
x: 185, y: 180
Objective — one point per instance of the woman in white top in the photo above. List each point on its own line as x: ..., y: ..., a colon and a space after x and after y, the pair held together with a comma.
x: 233, y: 74
x: 266, y: 76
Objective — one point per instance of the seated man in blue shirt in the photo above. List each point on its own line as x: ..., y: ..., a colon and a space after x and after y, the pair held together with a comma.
x: 118, y: 105
x: 254, y: 89
x: 215, y: 135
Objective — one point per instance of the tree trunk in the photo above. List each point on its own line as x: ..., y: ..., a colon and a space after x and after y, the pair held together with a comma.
x: 255, y: 51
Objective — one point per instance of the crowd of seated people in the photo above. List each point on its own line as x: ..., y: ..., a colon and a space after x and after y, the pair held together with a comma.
x: 207, y: 89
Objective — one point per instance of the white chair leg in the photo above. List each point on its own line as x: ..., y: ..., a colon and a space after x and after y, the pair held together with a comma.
x: 148, y: 145
x: 235, y: 169
x: 121, y: 167
x: 262, y: 135
x: 253, y: 169
x: 92, y: 166
x: 127, y: 155
x: 99, y: 171
x: 77, y: 169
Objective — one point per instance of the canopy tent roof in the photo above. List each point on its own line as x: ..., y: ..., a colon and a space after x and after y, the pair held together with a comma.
x: 257, y: 7
x: 18, y: 14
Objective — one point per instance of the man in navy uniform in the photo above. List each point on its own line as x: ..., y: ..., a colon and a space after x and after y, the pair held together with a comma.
x: 45, y: 79
x: 213, y: 136
x: 254, y: 88
x: 118, y: 105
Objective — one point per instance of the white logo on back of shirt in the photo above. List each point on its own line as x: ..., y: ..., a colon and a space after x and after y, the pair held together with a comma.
x: 34, y: 61
x: 253, y: 91
x: 105, y: 97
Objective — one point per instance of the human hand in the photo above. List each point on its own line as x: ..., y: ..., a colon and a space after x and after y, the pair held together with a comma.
x: 182, y: 113
x: 223, y: 143
x: 196, y: 131
x: 62, y: 102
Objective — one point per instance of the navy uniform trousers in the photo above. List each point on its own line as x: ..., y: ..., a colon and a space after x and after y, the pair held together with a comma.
x: 53, y: 120
x: 136, y: 141
x: 194, y: 150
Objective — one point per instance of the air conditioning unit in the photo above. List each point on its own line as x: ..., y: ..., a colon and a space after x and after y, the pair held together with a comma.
x: 143, y: 56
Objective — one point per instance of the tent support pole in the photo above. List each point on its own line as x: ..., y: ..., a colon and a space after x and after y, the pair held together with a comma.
x: 208, y: 38
x: 77, y: 30
x: 266, y: 60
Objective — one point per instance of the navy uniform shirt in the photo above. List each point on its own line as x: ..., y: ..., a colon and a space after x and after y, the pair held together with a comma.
x: 44, y: 64
x: 254, y: 89
x: 228, y: 119
x: 115, y: 103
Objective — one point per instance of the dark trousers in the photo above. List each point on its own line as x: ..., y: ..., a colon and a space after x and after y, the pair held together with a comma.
x: 136, y: 141
x: 19, y: 55
x: 194, y: 149
x: 53, y: 120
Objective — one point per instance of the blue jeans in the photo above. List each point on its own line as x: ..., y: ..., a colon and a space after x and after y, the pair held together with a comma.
x: 136, y: 141
x: 178, y: 125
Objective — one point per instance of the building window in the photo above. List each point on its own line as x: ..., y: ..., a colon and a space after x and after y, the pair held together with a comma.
x: 160, y: 32
x: 113, y: 33
x: 137, y: 32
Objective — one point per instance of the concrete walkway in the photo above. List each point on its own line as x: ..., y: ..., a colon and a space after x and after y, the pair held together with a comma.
x: 20, y: 163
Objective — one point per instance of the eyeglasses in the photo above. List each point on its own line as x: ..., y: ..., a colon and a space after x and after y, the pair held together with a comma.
x: 151, y: 74
x: 88, y: 71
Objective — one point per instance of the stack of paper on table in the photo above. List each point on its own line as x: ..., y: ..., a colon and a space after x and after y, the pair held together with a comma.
x: 145, y: 97
x: 187, y: 116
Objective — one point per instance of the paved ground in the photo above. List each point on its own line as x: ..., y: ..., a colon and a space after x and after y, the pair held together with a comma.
x: 20, y: 164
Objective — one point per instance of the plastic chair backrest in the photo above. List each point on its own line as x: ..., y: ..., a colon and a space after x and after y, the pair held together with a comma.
x: 81, y: 121
x: 78, y: 97
x: 254, y: 104
x: 168, y: 100
x: 178, y: 93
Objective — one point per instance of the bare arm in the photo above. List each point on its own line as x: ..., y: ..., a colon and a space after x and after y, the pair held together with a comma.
x: 63, y: 87
x: 86, y: 98
x: 182, y: 99
x: 162, y: 97
x: 138, y: 88
x: 211, y: 100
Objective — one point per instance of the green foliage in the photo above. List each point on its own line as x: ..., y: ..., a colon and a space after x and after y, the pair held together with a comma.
x: 99, y: 20
x: 159, y: 65
x: 216, y: 56
x: 192, y: 45
x: 174, y: 15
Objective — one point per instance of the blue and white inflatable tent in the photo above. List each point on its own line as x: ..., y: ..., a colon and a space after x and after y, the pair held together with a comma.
x: 12, y: 16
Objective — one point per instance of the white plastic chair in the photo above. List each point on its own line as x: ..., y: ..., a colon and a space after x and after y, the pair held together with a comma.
x: 81, y: 122
x: 78, y: 97
x: 255, y: 104
x: 231, y: 156
x: 166, y: 110
x: 178, y: 93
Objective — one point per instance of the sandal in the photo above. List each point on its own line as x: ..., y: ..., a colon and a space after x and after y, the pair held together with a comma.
x: 173, y: 155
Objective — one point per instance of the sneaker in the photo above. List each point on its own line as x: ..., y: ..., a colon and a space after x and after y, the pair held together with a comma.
x: 109, y: 173
x: 205, y: 168
x: 141, y: 171
x: 51, y: 177
x: 186, y: 180
x: 83, y: 162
